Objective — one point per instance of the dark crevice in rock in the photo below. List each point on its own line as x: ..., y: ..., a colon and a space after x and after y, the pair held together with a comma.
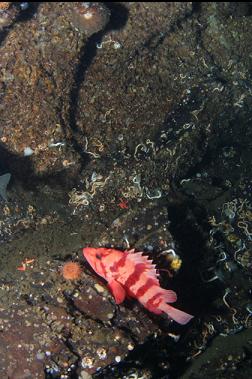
x: 118, y: 16
x: 86, y: 56
x: 28, y: 13
x: 185, y: 217
x: 216, y: 70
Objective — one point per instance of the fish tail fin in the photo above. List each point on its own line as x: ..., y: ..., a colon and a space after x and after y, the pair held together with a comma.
x: 177, y: 315
x: 169, y: 296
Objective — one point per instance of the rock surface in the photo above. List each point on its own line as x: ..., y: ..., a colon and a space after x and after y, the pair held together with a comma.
x: 137, y: 136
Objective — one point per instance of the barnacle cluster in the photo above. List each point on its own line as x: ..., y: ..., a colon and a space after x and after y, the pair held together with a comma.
x: 145, y: 150
x: 83, y: 198
x: 230, y: 237
x: 137, y: 191
x: 236, y: 225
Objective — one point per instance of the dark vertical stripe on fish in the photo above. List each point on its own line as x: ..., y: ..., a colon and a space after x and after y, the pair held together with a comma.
x: 135, y: 276
x: 118, y: 264
x: 104, y: 271
x: 150, y: 302
x: 141, y: 291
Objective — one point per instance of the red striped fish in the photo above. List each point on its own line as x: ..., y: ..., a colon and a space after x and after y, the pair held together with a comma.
x: 134, y: 275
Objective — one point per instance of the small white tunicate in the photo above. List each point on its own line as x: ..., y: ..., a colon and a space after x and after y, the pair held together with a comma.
x: 40, y: 356
x: 130, y: 346
x: 52, y: 144
x: 102, y: 354
x: 28, y: 151
x: 117, y: 45
x: 118, y: 358
x: 87, y: 362
x: 24, y: 6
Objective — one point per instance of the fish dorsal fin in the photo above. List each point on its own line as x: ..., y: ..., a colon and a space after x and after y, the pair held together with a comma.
x: 138, y: 258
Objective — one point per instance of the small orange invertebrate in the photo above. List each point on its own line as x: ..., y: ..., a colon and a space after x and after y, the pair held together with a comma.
x: 71, y: 271
x: 21, y: 268
x: 123, y: 204
x: 25, y: 263
x: 4, y: 5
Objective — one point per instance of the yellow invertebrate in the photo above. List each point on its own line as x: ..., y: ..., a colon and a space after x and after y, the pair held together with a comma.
x: 176, y: 264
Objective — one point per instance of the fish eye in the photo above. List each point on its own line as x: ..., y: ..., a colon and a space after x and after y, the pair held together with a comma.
x: 98, y: 256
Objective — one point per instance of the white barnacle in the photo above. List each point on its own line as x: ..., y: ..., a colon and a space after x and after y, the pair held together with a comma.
x: 56, y: 144
x: 28, y: 151
x: 87, y: 362
x: 102, y: 353
x: 130, y: 346
x: 117, y: 45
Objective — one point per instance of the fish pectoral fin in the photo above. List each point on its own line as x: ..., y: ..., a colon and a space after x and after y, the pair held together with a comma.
x: 117, y: 290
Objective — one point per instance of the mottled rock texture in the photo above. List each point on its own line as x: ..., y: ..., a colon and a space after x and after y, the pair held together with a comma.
x: 137, y: 134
